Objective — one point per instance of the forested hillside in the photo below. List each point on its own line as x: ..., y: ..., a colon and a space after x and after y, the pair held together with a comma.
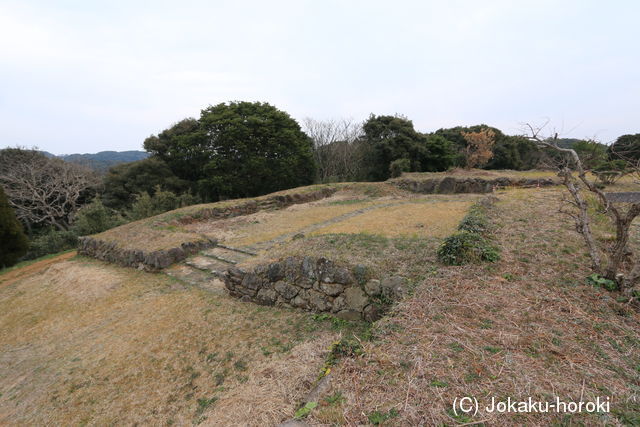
x: 101, y: 162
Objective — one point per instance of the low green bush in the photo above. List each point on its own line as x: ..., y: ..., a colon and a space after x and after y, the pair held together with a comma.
x: 475, y: 221
x: 398, y: 166
x: 599, y: 281
x: 466, y: 247
x: 95, y: 218
x: 51, y: 242
x: 161, y: 201
x: 470, y: 243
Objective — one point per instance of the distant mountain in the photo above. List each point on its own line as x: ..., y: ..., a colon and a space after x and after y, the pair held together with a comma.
x: 102, y: 161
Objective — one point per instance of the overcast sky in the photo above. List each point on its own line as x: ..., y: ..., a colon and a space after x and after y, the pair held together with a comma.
x: 87, y: 76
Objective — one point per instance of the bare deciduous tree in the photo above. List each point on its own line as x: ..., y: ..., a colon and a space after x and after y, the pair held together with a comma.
x: 614, y: 261
x: 479, y: 147
x: 43, y: 190
x: 338, y: 151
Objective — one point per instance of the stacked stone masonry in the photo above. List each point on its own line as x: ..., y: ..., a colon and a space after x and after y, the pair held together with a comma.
x: 316, y: 284
x: 143, y: 260
x: 453, y: 185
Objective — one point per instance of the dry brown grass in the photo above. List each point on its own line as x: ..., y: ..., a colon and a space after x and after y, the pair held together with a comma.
x: 84, y: 342
x: 148, y: 236
x: 160, y: 232
x: 414, y: 219
x: 526, y: 326
x: 32, y: 268
x: 264, y: 226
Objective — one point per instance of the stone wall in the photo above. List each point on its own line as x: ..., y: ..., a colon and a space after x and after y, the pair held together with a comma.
x: 316, y: 284
x: 149, y: 260
x: 454, y: 185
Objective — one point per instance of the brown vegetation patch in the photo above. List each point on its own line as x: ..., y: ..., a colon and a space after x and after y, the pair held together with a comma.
x: 525, y: 326
x: 266, y: 226
x: 413, y: 219
x: 32, y: 268
x: 88, y: 342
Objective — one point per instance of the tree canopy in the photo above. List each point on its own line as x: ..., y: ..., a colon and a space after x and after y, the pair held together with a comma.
x: 237, y: 149
x: 626, y: 147
x: 124, y: 182
x: 395, y: 146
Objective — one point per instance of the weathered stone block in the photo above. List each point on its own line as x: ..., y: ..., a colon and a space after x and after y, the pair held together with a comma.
x: 300, y: 302
x: 371, y: 313
x: 447, y: 185
x: 331, y: 289
x: 318, y: 301
x: 355, y: 298
x: 266, y: 296
x: 343, y: 276
x: 251, y: 281
x: 373, y: 287
x: 275, y: 272
x: 394, y: 287
x: 286, y: 290
x: 339, y: 303
x: 360, y: 272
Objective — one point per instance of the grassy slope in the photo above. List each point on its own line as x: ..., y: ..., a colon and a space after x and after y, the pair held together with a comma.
x: 526, y: 326
x: 83, y: 341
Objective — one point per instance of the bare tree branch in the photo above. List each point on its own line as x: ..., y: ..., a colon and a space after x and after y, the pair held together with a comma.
x: 337, y: 148
x: 615, y: 254
x: 43, y: 190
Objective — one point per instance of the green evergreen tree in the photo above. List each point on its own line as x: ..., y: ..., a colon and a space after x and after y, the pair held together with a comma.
x: 237, y: 149
x: 13, y: 242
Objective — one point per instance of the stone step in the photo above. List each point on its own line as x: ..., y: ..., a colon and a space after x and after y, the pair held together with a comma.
x: 258, y: 247
x: 246, y: 251
x: 198, y: 278
x: 226, y: 255
x: 208, y: 264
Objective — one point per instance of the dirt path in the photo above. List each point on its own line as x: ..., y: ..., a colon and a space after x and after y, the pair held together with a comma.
x: 36, y: 267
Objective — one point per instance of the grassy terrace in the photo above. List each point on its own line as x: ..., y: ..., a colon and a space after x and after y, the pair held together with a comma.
x: 160, y: 232
x: 85, y: 342
x: 484, y: 174
x: 163, y: 231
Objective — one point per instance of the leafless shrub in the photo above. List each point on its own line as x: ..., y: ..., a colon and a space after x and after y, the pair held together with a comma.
x: 338, y: 150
